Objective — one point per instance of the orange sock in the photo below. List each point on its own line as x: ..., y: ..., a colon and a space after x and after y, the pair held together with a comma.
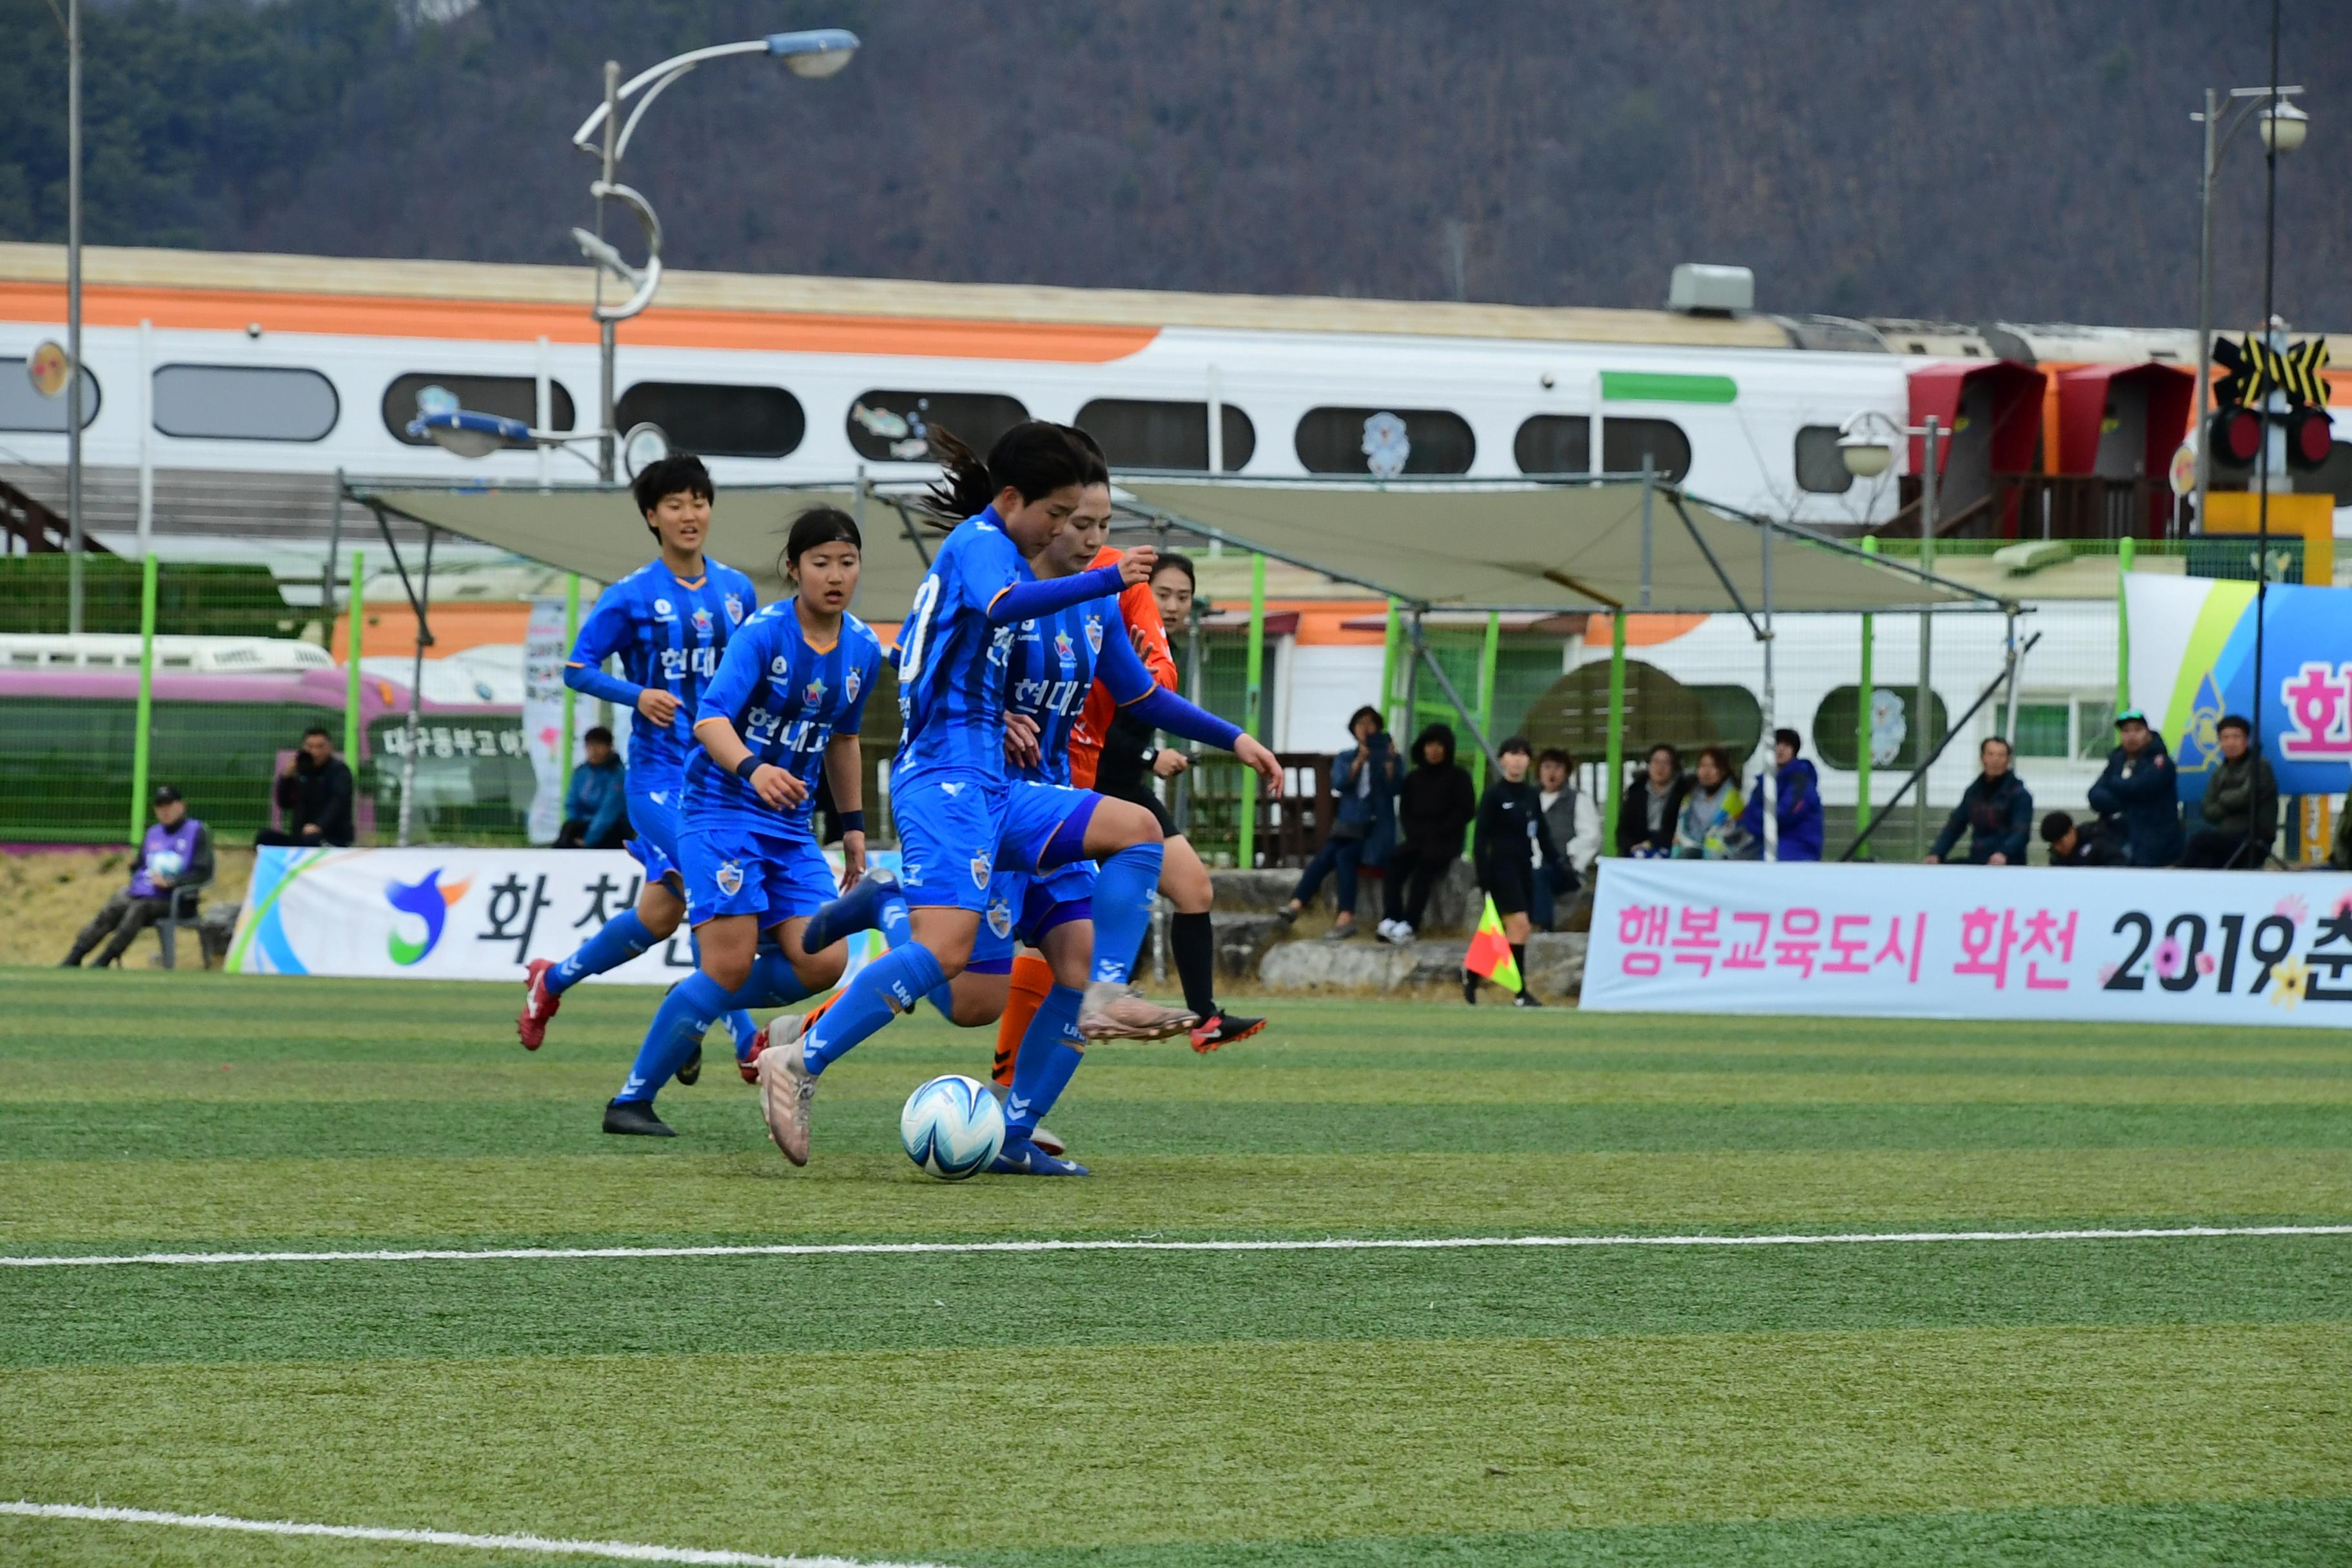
x: 1030, y: 979
x: 809, y: 1018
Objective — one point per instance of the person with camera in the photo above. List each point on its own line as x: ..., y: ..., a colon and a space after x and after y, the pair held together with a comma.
x: 1364, y: 783
x: 315, y: 793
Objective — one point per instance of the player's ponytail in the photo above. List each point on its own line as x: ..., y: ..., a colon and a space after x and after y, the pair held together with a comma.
x: 1033, y: 459
x: 817, y: 525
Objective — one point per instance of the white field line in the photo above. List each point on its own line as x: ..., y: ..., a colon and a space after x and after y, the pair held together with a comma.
x: 611, y: 1551
x: 1332, y: 1244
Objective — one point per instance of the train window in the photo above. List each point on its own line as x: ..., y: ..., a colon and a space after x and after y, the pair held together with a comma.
x: 717, y: 421
x: 1384, y: 441
x: 895, y: 427
x: 1554, y: 444
x: 1624, y: 443
x: 1140, y: 434
x: 513, y: 396
x: 245, y: 403
x: 22, y: 409
x: 1836, y: 720
x: 1820, y: 467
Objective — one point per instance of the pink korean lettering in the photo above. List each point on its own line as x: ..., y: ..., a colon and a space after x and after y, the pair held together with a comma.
x: 1987, y: 939
x: 2044, y: 933
x: 2318, y: 700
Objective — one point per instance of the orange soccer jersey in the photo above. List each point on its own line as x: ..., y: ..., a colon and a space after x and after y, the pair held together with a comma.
x: 1141, y: 613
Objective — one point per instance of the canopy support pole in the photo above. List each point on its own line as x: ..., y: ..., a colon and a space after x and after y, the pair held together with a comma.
x: 2008, y: 717
x: 571, y: 636
x: 419, y: 604
x: 1392, y: 644
x: 1613, y: 802
x: 1982, y: 697
x: 1717, y: 567
x: 352, y: 619
x: 1486, y: 691
x: 1253, y: 708
x: 1445, y: 684
x: 1863, y: 711
x: 1649, y: 492
x: 1771, y: 812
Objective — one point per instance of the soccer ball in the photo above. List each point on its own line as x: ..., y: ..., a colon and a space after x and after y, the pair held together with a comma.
x: 952, y: 1127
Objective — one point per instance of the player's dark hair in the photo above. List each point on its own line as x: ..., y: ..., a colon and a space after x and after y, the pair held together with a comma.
x: 597, y: 735
x: 680, y: 473
x: 321, y: 730
x: 2234, y: 721
x: 1035, y: 457
x: 2056, y: 825
x: 1098, y: 466
x: 817, y: 525
x: 1181, y: 561
x: 1790, y: 739
x: 1515, y: 743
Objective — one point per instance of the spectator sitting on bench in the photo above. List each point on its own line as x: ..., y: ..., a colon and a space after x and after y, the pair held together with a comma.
x: 596, y: 805
x: 1996, y: 811
x: 177, y: 852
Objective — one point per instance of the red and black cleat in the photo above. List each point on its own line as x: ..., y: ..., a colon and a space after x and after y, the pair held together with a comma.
x: 1222, y: 1028
x: 539, y: 1004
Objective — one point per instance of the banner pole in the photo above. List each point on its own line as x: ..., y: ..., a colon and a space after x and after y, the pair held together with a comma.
x: 1252, y: 703
x: 146, y: 714
x: 1486, y: 696
x: 1861, y: 719
x: 571, y: 636
x: 1388, y: 668
x: 352, y: 616
x: 2126, y: 550
x: 1616, y: 742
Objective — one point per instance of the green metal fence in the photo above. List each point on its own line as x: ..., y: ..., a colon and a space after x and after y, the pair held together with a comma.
x: 190, y: 600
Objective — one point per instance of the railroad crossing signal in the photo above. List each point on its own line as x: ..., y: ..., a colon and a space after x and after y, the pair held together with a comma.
x: 2255, y: 371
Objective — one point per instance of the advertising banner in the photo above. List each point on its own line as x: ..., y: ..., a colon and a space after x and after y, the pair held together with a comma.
x: 543, y: 653
x: 2192, y: 661
x: 2030, y: 942
x: 450, y: 914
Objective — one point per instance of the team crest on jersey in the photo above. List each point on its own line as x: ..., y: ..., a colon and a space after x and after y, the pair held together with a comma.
x: 1000, y: 917
x: 849, y: 684
x: 734, y: 609
x: 1093, y: 633
x: 664, y: 609
x: 981, y: 868
x: 702, y: 620
x: 730, y: 878
x: 812, y: 694
x: 1065, y: 648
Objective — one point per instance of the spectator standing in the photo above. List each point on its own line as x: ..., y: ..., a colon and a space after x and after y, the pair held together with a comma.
x: 2070, y: 846
x: 1707, y: 826
x: 1364, y: 781
x: 1434, y: 805
x: 1512, y: 839
x: 1796, y: 803
x: 2240, y: 807
x: 2339, y: 846
x: 1574, y: 824
x: 177, y: 851
x: 1996, y: 811
x: 1645, y: 825
x: 315, y: 793
x: 2137, y: 797
x: 596, y: 805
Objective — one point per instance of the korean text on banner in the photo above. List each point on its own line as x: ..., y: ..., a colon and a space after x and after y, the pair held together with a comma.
x: 1986, y: 943
x: 450, y: 914
x: 2192, y: 661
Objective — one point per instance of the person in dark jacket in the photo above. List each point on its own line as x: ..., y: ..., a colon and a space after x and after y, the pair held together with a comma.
x: 1511, y: 840
x: 1434, y: 805
x: 1996, y: 811
x: 596, y: 806
x: 2138, y: 798
x: 1364, y: 781
x: 1796, y: 806
x: 177, y: 852
x: 2070, y: 845
x: 315, y: 793
x: 2241, y: 807
x: 1654, y: 805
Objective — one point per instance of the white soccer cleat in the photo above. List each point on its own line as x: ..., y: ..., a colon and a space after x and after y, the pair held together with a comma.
x: 786, y: 1087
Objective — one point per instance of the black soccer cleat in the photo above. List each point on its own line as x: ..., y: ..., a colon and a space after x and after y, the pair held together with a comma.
x: 1525, y: 999
x: 691, y: 1068
x: 637, y: 1119
x: 1222, y: 1028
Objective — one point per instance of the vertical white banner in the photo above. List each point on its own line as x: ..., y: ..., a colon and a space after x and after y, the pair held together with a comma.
x: 543, y: 715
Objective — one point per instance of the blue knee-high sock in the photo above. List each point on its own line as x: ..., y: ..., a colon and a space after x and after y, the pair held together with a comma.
x: 1123, y: 894
x: 892, y: 983
x: 943, y: 998
x: 870, y: 905
x: 685, y: 1015
x: 740, y: 1028
x: 1051, y: 1049
x: 619, y: 940
x: 772, y: 984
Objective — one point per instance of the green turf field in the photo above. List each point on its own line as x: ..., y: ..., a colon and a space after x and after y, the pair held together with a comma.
x: 2169, y: 1401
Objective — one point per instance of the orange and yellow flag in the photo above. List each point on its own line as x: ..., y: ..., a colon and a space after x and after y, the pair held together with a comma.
x: 1490, y: 952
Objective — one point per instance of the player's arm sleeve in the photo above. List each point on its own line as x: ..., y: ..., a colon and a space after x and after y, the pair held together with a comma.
x: 1132, y: 688
x: 599, y: 635
x: 1027, y: 601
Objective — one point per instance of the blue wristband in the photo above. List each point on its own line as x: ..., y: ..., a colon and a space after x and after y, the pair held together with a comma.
x: 852, y: 821
x: 748, y: 766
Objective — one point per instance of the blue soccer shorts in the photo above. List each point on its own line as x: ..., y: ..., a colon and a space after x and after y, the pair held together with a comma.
x: 1022, y: 906
x: 655, y: 819
x: 955, y: 833
x: 734, y: 871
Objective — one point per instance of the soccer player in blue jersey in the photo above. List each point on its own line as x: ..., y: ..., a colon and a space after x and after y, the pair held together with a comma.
x: 959, y: 814
x: 669, y: 621
x: 787, y: 699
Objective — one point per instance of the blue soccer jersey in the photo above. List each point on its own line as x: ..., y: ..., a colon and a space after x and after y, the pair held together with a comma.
x: 1050, y: 671
x: 787, y: 702
x: 951, y: 662
x: 670, y: 633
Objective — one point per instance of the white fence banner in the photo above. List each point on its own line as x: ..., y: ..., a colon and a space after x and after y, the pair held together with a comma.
x: 543, y: 653
x: 450, y: 914
x: 1919, y: 941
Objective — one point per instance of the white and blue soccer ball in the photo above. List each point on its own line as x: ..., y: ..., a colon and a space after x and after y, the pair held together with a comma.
x: 952, y: 1127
